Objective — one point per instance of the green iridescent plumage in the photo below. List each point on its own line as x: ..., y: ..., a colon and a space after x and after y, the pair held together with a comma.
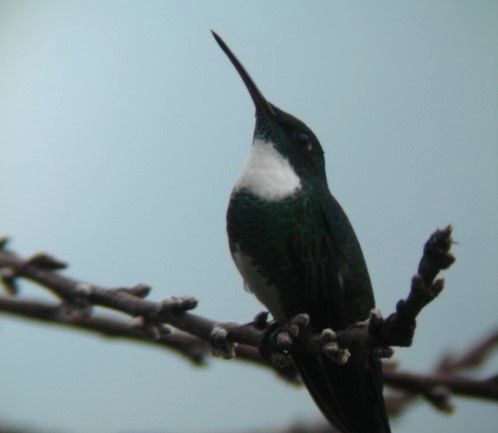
x: 298, y: 253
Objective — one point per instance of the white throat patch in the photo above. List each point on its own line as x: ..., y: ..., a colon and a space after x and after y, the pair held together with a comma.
x: 267, y: 174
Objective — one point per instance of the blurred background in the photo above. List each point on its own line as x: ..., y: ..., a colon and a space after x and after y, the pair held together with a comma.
x: 123, y: 128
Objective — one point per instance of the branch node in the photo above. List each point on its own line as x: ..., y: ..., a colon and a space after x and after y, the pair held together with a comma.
x: 46, y: 262
x: 437, y: 255
x: 418, y: 285
x: 177, y: 304
x: 8, y: 280
x: 221, y: 345
x: 439, y: 244
x: 138, y: 322
x: 440, y: 397
x: 84, y: 290
x: 375, y: 314
x: 79, y: 304
x: 164, y: 329
x: 260, y: 321
x: 437, y: 287
x: 141, y: 290
x: 152, y: 329
x: 376, y: 325
x: 401, y: 307
x: 73, y: 309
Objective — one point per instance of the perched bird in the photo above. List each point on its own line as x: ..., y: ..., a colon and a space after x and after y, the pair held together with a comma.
x: 298, y: 253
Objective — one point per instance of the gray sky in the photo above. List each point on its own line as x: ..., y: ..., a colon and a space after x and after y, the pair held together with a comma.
x: 123, y: 128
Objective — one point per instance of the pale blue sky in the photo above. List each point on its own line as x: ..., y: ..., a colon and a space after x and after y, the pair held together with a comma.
x: 123, y: 128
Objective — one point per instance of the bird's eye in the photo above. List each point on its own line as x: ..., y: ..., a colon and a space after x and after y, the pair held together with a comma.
x: 304, y: 140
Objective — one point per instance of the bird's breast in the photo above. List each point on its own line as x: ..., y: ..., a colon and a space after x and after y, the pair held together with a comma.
x: 256, y: 283
x: 260, y: 236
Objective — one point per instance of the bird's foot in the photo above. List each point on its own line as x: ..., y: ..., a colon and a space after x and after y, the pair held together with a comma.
x: 331, y: 349
x: 277, y: 339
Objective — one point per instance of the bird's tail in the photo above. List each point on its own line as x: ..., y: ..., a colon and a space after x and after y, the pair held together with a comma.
x: 350, y: 395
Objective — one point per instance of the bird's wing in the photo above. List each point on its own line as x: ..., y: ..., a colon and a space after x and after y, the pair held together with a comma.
x: 335, y: 288
x: 336, y: 292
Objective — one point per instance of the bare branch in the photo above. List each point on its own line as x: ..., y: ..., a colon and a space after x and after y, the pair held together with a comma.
x: 438, y: 387
x: 170, y: 324
x: 397, y: 329
x: 182, y: 343
x: 472, y: 358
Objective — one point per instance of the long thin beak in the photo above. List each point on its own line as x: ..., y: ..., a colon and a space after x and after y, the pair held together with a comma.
x: 262, y: 105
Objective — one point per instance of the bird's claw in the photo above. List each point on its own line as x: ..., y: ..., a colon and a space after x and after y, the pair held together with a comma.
x: 331, y: 349
x: 277, y: 339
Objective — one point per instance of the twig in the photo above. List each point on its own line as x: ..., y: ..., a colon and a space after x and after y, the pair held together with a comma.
x: 439, y: 386
x: 472, y: 358
x: 184, y: 344
x: 81, y: 296
x: 397, y: 329
x: 193, y: 335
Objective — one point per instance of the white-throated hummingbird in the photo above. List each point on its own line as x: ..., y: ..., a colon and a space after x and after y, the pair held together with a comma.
x: 298, y: 253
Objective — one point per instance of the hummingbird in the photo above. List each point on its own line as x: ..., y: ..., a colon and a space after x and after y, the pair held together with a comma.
x: 297, y: 253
